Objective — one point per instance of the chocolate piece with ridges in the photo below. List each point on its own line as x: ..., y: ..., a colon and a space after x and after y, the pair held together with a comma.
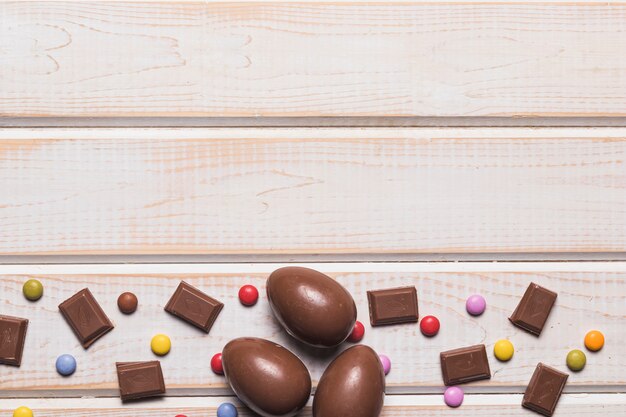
x: 393, y: 306
x: 544, y: 390
x: 12, y: 339
x: 533, y: 309
x: 140, y: 380
x: 463, y: 365
x: 194, y: 306
x: 86, y: 318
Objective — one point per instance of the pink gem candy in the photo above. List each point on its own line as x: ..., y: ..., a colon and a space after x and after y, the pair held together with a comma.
x: 475, y: 305
x: 453, y: 396
x: 384, y: 359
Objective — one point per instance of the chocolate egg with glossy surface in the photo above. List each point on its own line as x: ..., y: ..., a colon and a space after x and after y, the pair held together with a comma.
x: 311, y: 306
x: 266, y: 377
x: 353, y: 385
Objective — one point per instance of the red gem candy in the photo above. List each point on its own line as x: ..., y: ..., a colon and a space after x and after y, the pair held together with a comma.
x: 248, y: 295
x: 429, y: 326
x: 357, y: 333
x: 216, y: 364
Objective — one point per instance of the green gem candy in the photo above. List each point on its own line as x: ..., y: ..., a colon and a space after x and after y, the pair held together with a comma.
x: 576, y: 360
x: 33, y: 289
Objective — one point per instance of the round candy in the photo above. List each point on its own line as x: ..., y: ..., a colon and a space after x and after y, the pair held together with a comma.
x: 23, y: 412
x: 127, y: 302
x: 384, y: 359
x: 180, y: 415
x: 453, y: 396
x: 576, y: 360
x: 161, y: 344
x: 216, y: 364
x: 66, y: 365
x: 429, y: 326
x: 248, y: 295
x: 357, y: 333
x: 594, y: 340
x: 503, y: 350
x: 475, y: 305
x: 32, y: 289
x: 227, y: 410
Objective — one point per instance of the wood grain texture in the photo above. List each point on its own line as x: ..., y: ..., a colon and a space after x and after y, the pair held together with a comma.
x: 593, y: 405
x: 590, y: 296
x: 271, y: 59
x: 311, y: 191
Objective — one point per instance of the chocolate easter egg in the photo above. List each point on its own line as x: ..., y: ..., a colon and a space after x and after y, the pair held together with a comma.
x: 311, y: 306
x: 266, y: 377
x: 353, y: 385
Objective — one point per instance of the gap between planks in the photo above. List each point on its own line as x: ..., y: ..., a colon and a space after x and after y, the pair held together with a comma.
x: 587, y: 405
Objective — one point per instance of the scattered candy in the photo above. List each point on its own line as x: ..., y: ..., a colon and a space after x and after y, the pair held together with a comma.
x: 66, y: 365
x: 594, y: 340
x: 430, y: 326
x: 216, y: 364
x: 503, y: 350
x: 357, y: 333
x: 384, y: 359
x: 475, y: 305
x: 23, y: 412
x: 453, y: 397
x: 161, y: 344
x: 32, y: 289
x: 248, y: 295
x: 127, y: 303
x: 227, y: 410
x: 576, y: 360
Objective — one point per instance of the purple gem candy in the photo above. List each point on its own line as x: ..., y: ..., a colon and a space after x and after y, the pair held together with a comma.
x: 475, y: 305
x: 384, y: 359
x: 453, y: 396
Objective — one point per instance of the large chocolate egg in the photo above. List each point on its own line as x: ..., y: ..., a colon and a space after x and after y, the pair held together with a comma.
x: 266, y: 377
x: 311, y: 306
x: 353, y: 385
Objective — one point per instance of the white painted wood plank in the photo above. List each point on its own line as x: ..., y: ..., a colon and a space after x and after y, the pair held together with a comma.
x: 311, y: 191
x: 587, y: 405
x: 273, y: 59
x: 591, y: 296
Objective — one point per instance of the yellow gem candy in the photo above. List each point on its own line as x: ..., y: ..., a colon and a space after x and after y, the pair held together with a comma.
x: 23, y: 412
x: 503, y: 349
x: 161, y: 344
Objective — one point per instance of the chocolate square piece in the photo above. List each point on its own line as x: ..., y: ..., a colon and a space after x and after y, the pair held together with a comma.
x: 533, y: 309
x: 140, y: 379
x: 12, y: 338
x: 86, y: 318
x: 194, y: 306
x: 544, y: 390
x: 463, y: 365
x: 393, y: 306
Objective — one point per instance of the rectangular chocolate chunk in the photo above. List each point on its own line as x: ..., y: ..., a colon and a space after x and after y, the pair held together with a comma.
x: 194, y: 306
x: 544, y: 390
x: 140, y: 380
x: 533, y: 309
x: 12, y: 338
x: 463, y: 365
x: 86, y: 318
x: 393, y: 306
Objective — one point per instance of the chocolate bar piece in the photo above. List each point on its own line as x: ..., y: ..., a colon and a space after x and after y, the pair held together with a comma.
x: 85, y: 316
x: 194, y: 306
x: 463, y: 365
x: 393, y: 306
x: 12, y: 338
x: 533, y: 309
x: 140, y: 379
x: 544, y: 390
